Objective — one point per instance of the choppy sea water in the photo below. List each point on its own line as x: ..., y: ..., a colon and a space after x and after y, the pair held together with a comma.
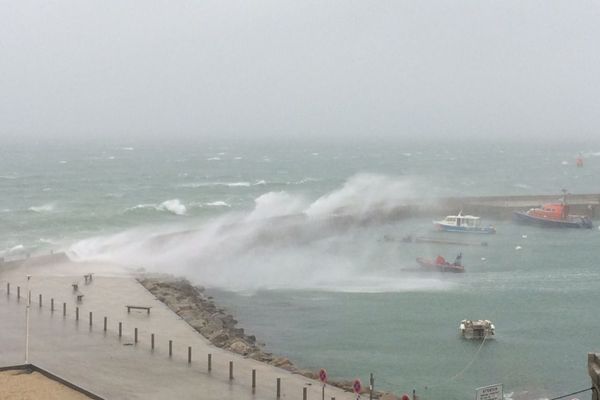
x: 254, y: 223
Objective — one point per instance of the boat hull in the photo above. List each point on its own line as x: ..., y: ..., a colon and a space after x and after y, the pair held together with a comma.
x: 432, y: 266
x: 570, y: 222
x: 465, y: 229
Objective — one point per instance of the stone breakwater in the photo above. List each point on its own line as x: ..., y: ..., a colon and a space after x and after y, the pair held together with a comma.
x: 215, y: 324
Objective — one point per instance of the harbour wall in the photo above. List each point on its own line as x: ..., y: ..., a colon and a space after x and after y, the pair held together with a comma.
x: 496, y: 207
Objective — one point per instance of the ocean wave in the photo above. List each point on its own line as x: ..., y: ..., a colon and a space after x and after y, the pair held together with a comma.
x: 15, y: 249
x: 11, y: 177
x: 210, y: 204
x: 214, y: 159
x: 196, y: 185
x: 217, y: 204
x: 42, y: 208
x: 173, y: 206
x: 127, y: 148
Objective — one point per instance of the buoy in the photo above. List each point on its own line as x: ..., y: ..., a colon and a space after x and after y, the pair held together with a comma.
x: 405, y: 397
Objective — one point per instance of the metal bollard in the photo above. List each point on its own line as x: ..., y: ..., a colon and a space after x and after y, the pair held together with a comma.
x: 76, y: 313
x: 304, y: 393
x: 52, y: 305
x: 8, y: 289
x: 152, y: 341
x: 189, y: 354
x: 278, y: 387
x: 105, y: 321
x: 135, y: 335
x: 90, y: 318
x: 40, y: 300
x: 170, y: 348
x: 230, y: 370
x: 253, y: 379
x: 18, y: 292
x: 120, y: 329
x: 64, y: 309
x: 209, y: 362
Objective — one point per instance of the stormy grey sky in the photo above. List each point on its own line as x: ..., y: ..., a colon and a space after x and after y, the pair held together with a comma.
x: 181, y: 68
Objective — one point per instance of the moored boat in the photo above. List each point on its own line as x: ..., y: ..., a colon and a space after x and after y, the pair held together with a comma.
x: 440, y: 264
x: 477, y: 329
x: 554, y: 215
x: 464, y: 224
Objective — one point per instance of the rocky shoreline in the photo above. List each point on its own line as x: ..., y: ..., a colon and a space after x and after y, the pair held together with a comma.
x: 215, y: 324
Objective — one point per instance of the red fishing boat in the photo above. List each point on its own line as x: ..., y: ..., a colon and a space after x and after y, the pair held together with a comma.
x: 554, y: 215
x: 440, y: 264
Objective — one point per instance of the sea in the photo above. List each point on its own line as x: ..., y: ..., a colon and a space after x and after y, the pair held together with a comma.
x: 282, y: 233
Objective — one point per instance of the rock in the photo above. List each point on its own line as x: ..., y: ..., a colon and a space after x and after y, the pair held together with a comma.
x: 240, y: 347
x: 281, y: 362
x: 219, y: 338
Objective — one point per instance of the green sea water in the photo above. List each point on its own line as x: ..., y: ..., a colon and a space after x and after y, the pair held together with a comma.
x: 255, y: 223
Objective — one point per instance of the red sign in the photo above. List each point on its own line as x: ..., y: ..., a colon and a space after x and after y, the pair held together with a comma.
x: 356, y: 386
x: 323, y: 375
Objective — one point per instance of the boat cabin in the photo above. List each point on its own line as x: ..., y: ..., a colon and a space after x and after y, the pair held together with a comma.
x: 551, y: 211
x: 468, y: 221
x: 477, y: 329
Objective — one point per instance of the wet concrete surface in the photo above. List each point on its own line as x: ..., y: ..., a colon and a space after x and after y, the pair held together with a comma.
x: 118, y: 368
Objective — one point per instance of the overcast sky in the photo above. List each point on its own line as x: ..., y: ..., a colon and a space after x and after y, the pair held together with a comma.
x: 179, y: 68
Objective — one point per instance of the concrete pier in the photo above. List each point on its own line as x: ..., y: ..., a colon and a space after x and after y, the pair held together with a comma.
x: 115, y: 368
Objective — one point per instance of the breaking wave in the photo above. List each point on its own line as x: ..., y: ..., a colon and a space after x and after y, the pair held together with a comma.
x: 286, y: 241
x: 173, y: 206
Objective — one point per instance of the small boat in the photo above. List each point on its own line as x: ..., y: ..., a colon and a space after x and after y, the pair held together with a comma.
x: 477, y: 329
x: 440, y: 264
x: 554, y: 215
x: 464, y: 224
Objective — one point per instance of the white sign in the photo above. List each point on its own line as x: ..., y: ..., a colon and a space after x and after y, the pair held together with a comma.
x: 492, y: 392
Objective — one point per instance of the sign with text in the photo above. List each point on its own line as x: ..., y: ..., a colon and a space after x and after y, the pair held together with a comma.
x: 492, y: 392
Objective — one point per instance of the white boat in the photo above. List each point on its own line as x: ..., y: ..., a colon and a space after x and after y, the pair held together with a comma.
x: 477, y: 329
x: 463, y: 223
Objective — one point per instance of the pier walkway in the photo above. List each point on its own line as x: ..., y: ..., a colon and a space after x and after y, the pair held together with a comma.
x: 116, y: 367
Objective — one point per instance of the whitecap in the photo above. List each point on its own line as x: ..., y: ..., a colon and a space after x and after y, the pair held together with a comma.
x: 217, y: 204
x: 261, y: 182
x: 16, y: 248
x: 213, y: 159
x: 238, y: 158
x: 111, y: 157
x: 565, y: 163
x: 47, y: 189
x: 11, y: 177
x: 42, y: 208
x: 237, y: 184
x: 407, y: 154
x: 518, y: 247
x: 174, y: 206
x: 127, y: 148
x: 63, y: 162
x: 315, y: 154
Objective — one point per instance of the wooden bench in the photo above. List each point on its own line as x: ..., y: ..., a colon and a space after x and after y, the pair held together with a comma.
x: 138, y: 308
